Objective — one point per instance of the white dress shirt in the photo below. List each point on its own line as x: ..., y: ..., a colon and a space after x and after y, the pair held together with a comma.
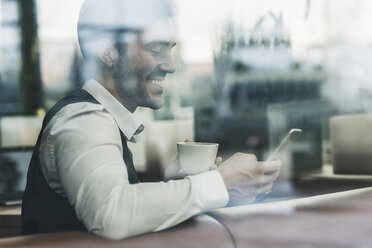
x: 81, y: 158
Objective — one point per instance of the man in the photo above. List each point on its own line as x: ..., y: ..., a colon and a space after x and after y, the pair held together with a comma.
x: 81, y: 176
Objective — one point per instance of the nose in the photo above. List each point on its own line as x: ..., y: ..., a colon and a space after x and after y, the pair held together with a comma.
x: 167, y: 65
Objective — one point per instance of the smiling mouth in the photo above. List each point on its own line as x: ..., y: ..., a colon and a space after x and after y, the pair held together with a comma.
x: 157, y: 82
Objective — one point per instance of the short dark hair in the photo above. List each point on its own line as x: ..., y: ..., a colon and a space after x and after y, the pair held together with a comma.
x: 116, y: 20
x: 92, y: 27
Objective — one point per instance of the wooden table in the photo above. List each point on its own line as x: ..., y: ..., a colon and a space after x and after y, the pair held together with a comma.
x: 342, y: 220
x: 332, y: 220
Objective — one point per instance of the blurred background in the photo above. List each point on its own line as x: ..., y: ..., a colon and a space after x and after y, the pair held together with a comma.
x: 247, y: 72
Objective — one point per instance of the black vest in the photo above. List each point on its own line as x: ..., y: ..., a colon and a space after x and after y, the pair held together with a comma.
x: 43, y: 210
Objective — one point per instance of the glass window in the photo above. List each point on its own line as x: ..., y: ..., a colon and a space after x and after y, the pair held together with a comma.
x: 246, y: 73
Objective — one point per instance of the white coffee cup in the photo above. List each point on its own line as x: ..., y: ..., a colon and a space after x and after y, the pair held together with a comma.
x: 196, y: 157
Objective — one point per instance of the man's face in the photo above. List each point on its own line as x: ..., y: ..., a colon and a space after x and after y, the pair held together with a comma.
x: 141, y: 70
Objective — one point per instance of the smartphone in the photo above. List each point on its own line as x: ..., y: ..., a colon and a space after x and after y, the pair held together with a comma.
x: 292, y: 135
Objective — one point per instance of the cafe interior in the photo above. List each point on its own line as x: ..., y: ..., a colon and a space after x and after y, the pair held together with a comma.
x: 247, y: 72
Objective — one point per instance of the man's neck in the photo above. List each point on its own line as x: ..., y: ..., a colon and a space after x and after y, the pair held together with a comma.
x: 111, y: 86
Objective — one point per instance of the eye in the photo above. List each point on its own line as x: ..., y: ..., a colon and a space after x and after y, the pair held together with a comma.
x: 155, y: 49
x: 155, y: 52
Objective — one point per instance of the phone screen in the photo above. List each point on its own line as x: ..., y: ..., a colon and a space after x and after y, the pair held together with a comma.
x: 292, y: 135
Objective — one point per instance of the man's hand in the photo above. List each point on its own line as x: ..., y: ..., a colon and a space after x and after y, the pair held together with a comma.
x: 245, y: 177
x: 174, y: 171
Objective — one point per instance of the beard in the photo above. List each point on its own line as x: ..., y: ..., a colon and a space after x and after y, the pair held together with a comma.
x: 133, y: 78
x: 131, y: 84
x: 125, y: 75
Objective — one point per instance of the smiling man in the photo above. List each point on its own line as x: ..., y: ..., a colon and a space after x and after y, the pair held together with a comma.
x: 142, y: 72
x: 81, y: 176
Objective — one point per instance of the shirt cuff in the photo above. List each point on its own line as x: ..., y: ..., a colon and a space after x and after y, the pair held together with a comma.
x: 211, y: 190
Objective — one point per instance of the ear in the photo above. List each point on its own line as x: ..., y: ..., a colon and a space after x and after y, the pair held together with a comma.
x: 107, y: 52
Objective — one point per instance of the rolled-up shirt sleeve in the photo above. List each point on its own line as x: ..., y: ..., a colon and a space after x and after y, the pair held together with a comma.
x: 85, y: 152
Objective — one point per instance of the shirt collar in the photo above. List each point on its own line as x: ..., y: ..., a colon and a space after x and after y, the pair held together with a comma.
x: 123, y: 117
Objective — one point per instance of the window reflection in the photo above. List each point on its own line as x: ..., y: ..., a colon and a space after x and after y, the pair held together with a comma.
x: 10, y: 54
x: 247, y: 72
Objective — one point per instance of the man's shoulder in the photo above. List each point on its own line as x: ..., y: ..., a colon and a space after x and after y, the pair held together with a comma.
x: 79, y: 109
x: 76, y: 103
x: 80, y: 112
x: 76, y: 96
x: 84, y: 117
